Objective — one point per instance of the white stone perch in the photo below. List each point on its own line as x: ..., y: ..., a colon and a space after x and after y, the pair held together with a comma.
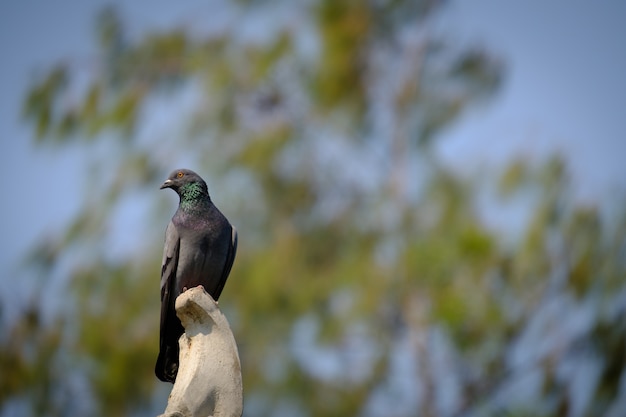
x: 209, y: 373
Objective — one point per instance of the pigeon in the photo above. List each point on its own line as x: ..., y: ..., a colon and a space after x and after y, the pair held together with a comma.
x: 200, y: 247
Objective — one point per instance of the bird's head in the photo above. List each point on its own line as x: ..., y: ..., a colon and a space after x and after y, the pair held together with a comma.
x: 181, y: 180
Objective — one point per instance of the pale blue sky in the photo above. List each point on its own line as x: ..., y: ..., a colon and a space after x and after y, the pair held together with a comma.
x: 565, y: 91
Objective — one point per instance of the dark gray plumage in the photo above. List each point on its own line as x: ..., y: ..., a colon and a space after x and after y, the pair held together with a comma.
x: 200, y: 247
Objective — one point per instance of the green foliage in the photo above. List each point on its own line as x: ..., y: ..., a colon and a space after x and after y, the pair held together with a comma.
x: 331, y: 269
x: 40, y: 101
x: 115, y: 332
x: 27, y: 360
x: 344, y: 28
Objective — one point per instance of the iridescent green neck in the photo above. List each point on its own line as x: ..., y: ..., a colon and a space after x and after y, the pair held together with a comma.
x: 191, y: 193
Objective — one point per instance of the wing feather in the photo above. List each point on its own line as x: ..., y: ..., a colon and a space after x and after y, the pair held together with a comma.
x: 230, y: 258
x: 168, y: 353
x: 170, y: 255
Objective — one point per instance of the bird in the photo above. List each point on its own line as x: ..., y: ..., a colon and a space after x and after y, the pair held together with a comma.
x: 200, y: 248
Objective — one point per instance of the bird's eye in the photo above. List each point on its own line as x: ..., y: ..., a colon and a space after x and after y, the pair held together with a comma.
x: 180, y: 174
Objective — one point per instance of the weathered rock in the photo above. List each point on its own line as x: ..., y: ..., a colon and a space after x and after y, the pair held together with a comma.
x: 209, y: 374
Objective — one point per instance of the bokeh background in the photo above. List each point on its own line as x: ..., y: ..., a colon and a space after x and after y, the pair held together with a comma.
x: 429, y: 197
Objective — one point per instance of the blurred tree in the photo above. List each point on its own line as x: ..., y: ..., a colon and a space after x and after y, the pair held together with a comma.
x: 367, y: 280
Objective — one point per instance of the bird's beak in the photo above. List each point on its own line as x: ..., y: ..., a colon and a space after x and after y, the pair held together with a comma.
x: 166, y: 184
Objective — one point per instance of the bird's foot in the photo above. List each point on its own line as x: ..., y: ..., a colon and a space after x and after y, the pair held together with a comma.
x: 199, y: 286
